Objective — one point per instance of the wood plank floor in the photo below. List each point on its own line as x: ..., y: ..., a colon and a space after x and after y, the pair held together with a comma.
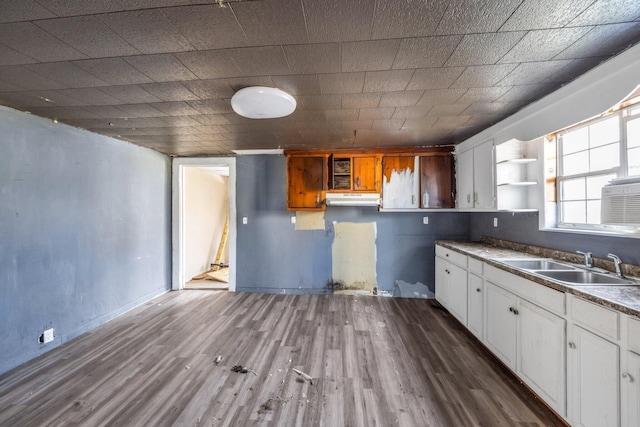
x: 374, y: 361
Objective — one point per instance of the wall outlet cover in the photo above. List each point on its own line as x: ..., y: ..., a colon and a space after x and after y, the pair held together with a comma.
x: 425, y: 220
x: 495, y: 222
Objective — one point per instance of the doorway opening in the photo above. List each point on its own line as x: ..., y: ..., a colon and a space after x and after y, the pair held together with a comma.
x: 204, y: 223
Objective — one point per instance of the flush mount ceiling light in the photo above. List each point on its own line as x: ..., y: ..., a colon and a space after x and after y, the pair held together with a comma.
x: 260, y: 102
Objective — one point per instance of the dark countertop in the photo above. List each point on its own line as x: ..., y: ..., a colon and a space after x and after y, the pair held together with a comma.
x: 625, y: 299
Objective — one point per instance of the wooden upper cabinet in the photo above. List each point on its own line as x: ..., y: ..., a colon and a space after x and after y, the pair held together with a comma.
x: 305, y: 181
x: 353, y: 173
x: 437, y: 183
x: 400, y: 185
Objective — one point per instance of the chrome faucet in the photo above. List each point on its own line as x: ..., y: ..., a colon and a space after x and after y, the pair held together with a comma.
x: 588, y: 258
x: 618, y: 263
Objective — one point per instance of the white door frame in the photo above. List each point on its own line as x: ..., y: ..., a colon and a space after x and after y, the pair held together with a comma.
x: 177, y: 209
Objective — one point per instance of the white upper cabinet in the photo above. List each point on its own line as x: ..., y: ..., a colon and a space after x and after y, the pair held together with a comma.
x: 475, y: 177
x: 517, y: 174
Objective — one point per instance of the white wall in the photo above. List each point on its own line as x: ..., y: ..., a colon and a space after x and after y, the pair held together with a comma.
x: 205, y: 208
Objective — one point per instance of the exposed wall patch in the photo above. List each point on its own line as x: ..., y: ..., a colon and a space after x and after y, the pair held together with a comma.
x: 353, y: 254
x: 411, y: 290
x: 308, y: 220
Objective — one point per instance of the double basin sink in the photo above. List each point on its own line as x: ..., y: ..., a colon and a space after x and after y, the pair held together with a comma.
x: 567, y: 274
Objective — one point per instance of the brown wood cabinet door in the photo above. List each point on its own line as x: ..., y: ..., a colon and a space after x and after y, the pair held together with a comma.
x: 305, y: 182
x: 396, y: 163
x: 437, y: 185
x: 365, y: 176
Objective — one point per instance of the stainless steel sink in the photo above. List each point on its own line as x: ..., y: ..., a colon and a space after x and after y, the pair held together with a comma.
x: 585, y: 278
x: 536, y: 264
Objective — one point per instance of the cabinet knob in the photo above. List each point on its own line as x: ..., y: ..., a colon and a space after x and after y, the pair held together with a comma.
x: 477, y: 289
x: 572, y: 345
x: 447, y: 255
x: 627, y: 377
x: 447, y: 271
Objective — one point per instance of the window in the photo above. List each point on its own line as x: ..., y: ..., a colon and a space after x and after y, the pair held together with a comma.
x: 589, y: 156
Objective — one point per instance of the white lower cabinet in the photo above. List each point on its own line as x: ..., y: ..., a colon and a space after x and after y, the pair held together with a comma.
x: 530, y: 341
x: 593, y: 378
x: 451, y: 285
x: 631, y: 391
x: 475, y: 299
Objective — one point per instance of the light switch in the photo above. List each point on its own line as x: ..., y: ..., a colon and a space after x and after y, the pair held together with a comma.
x: 245, y: 220
x: 293, y: 219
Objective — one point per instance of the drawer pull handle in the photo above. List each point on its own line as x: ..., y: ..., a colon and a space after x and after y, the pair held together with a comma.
x: 513, y: 310
x: 447, y: 271
x: 572, y: 345
x: 627, y: 377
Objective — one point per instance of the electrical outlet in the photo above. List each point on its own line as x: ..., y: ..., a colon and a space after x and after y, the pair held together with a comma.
x: 47, y: 336
x: 245, y: 220
x: 425, y: 220
x: 293, y: 220
x: 495, y: 222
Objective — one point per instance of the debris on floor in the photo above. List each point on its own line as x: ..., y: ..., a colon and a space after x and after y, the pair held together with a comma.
x: 218, y: 359
x: 306, y: 377
x: 271, y: 402
x: 243, y: 370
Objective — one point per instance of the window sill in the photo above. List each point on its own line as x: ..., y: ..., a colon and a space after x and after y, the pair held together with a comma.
x: 625, y: 232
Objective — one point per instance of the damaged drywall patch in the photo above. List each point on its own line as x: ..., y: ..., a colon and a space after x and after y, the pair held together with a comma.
x: 353, y: 256
x: 309, y: 220
x: 403, y: 289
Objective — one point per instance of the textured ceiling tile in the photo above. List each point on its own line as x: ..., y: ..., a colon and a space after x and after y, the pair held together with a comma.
x: 575, y: 68
x: 384, y: 81
x: 23, y: 78
x: 211, y: 64
x: 161, y: 67
x: 401, y: 98
x: 540, y: 14
x: 315, y: 58
x: 211, y: 106
x: 22, y: 10
x: 107, y: 111
x: 476, y: 16
x: 9, y: 56
x: 483, y: 75
x: 414, y: 112
x: 601, y: 41
x: 130, y: 94
x: 341, y: 83
x: 207, y: 89
x: 484, y: 94
x: 360, y: 100
x: 91, y: 96
x: 148, y: 4
x: 272, y: 22
x: 376, y: 113
x: 211, y: 119
x: 33, y: 41
x: 527, y: 92
x: 540, y: 45
x: 533, y: 72
x: 67, y: 74
x: 434, y: 78
x: 207, y: 26
x: 257, y: 61
x: 451, y: 122
x: 447, y: 110
x: 489, y: 108
x: 425, y: 52
x: 411, y: 18
x: 88, y: 35
x: 141, y: 110
x: 149, y: 31
x: 483, y: 49
x: 238, y: 83
x: 41, y: 98
x: 342, y: 114
x: 369, y: 55
x: 170, y: 91
x: 608, y: 12
x: 391, y: 124
x: 320, y: 102
x: 306, y: 84
x: 441, y: 96
x: 80, y: 7
x: 338, y: 20
x: 358, y: 124
x: 115, y: 71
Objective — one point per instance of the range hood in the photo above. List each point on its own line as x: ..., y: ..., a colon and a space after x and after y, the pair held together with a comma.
x: 352, y: 199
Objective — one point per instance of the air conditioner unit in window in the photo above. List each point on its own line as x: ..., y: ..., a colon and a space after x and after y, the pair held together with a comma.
x: 621, y: 204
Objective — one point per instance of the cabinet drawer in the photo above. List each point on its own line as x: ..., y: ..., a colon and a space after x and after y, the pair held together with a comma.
x: 452, y: 256
x: 475, y: 266
x: 633, y: 334
x: 599, y: 319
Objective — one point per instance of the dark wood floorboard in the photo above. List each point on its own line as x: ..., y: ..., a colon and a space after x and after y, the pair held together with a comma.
x: 374, y: 362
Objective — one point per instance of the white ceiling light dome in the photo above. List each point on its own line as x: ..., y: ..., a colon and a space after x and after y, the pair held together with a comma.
x: 261, y: 102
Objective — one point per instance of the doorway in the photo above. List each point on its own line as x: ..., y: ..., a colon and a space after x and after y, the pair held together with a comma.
x: 196, y: 243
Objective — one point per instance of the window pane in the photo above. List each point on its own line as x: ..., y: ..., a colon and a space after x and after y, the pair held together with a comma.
x: 604, y: 132
x: 606, y: 157
x: 595, y: 184
x: 573, y: 189
x: 575, y: 163
x: 593, y: 212
x: 574, y: 212
x: 576, y: 140
x: 634, y: 161
x: 633, y: 133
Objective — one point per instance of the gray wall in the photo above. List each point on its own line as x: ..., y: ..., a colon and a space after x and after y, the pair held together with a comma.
x: 273, y: 257
x: 84, y: 231
x: 523, y: 228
